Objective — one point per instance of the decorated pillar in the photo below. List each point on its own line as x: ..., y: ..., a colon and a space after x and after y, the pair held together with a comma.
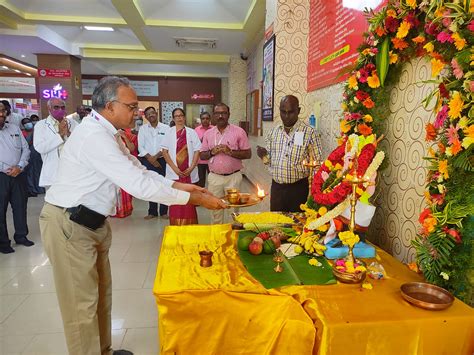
x: 237, y: 85
x: 59, y: 76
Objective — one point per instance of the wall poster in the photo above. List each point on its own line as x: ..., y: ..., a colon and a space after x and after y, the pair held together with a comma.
x: 268, y: 79
x: 167, y: 108
x: 335, y: 32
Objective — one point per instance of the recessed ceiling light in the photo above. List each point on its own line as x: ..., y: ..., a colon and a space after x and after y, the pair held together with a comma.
x: 23, y: 56
x: 5, y: 67
x: 98, y: 28
x: 17, y: 70
x: 28, y: 74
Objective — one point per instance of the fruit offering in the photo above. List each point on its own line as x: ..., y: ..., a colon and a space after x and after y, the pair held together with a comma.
x: 261, y: 243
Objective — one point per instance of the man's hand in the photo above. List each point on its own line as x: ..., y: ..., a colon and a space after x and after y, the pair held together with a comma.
x: 64, y: 128
x: 207, y: 200
x: 14, y: 171
x: 261, y: 151
x: 226, y: 149
x: 188, y: 187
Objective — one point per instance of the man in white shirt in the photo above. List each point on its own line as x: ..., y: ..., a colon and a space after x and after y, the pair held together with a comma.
x: 14, y: 155
x: 150, y: 139
x: 49, y: 137
x: 12, y: 118
x: 75, y: 232
x: 79, y: 114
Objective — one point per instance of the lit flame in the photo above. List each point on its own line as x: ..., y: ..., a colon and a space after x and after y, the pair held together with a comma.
x: 260, y: 192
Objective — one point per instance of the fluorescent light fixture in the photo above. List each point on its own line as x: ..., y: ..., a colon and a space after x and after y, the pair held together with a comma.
x: 23, y: 56
x: 98, y: 28
x: 360, y: 5
x: 5, y: 67
x: 28, y: 74
x: 17, y: 70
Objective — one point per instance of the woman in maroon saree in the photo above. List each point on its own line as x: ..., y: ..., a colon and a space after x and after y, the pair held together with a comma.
x: 181, y: 152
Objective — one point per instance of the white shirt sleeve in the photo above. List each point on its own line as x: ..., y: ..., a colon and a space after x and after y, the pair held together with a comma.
x: 103, y: 154
x: 196, y: 142
x: 44, y: 139
x: 142, y: 142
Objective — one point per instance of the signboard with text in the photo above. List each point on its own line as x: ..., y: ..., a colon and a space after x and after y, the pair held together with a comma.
x: 202, y: 97
x: 145, y: 88
x: 335, y: 32
x: 17, y: 85
x: 54, y: 73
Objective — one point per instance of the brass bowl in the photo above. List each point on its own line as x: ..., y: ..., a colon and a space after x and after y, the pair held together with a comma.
x: 233, y: 198
x: 347, y: 277
x: 232, y: 190
x: 244, y: 198
x: 427, y: 296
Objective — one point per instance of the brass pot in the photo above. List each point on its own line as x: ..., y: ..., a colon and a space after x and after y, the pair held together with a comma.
x: 233, y: 198
x: 347, y: 277
x: 232, y: 190
x: 206, y: 258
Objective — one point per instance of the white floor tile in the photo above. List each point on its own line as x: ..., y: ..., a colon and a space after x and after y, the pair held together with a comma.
x: 142, y: 341
x: 47, y: 344
x: 129, y: 275
x: 14, y: 344
x: 37, y: 279
x: 134, y: 309
x: 7, y: 273
x: 9, y: 303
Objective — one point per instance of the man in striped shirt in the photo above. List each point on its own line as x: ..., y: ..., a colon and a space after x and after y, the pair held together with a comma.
x: 287, y: 146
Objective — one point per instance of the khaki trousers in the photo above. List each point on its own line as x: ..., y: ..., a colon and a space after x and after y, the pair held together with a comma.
x: 217, y: 184
x: 81, y: 268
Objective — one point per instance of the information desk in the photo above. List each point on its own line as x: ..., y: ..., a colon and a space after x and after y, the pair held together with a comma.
x: 223, y: 310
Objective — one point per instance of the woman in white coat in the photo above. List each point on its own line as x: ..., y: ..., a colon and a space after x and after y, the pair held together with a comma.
x: 181, y: 152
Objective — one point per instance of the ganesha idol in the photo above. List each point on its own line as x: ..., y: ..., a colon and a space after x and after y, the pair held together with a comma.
x: 328, y: 207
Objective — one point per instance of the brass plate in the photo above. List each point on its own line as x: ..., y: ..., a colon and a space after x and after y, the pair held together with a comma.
x: 427, y: 296
x: 348, y: 278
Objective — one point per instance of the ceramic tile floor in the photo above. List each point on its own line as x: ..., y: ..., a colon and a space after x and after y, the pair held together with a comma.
x: 30, y: 322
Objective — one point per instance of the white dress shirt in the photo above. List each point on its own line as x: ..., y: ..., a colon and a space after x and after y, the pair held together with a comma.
x: 150, y: 139
x: 194, y: 144
x: 49, y: 143
x: 14, y: 118
x: 14, y: 149
x: 94, y: 162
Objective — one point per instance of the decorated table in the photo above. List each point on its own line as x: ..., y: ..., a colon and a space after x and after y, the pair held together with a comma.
x: 222, y: 309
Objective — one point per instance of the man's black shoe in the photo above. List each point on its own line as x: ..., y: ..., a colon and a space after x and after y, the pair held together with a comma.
x: 122, y: 352
x: 7, y: 250
x: 26, y: 242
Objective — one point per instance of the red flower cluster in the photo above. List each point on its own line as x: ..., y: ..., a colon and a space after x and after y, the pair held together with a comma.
x: 341, y: 191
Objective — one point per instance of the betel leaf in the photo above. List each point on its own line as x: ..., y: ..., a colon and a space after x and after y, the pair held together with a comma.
x: 382, y: 60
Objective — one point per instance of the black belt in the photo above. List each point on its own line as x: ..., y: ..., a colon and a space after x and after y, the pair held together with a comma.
x: 226, y: 174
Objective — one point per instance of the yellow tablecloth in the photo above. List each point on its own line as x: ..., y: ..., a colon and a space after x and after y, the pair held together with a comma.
x: 223, y: 310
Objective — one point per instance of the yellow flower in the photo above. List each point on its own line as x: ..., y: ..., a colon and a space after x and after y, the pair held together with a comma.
x: 393, y: 57
x: 368, y: 118
x: 411, y: 3
x: 455, y: 105
x: 322, y: 210
x: 337, y: 167
x: 429, y: 47
x: 436, y: 66
x: 462, y: 122
x: 459, y: 42
x: 443, y: 168
x: 440, y: 11
x: 352, y: 82
x: 344, y: 106
x: 469, y: 136
x: 298, y: 249
x: 392, y: 13
x: 373, y: 81
x: 328, y: 164
x: 313, y: 262
x: 345, y: 127
x: 323, y: 228
x: 403, y: 29
x: 349, y: 238
x: 367, y: 285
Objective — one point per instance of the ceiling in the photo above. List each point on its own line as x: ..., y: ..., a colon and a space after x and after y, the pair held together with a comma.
x: 144, y: 40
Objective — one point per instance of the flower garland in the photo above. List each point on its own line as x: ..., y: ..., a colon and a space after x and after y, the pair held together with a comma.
x: 444, y: 32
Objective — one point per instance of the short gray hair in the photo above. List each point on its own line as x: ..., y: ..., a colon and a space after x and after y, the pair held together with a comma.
x: 55, y: 98
x: 106, y: 91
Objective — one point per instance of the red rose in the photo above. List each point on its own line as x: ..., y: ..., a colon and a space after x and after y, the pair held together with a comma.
x: 361, y: 95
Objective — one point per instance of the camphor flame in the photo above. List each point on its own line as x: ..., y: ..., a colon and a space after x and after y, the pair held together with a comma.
x: 260, y: 192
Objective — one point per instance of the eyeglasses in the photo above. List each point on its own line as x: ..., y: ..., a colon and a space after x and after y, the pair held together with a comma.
x: 178, y: 116
x: 59, y: 107
x: 131, y: 107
